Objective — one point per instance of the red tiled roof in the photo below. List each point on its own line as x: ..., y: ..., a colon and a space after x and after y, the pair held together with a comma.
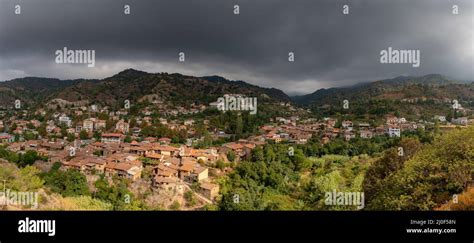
x: 187, y: 167
x: 119, y: 166
x: 164, y: 148
x: 233, y: 146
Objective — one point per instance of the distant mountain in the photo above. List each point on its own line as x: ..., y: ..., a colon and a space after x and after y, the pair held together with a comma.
x: 271, y: 92
x: 177, y: 89
x: 133, y: 85
x: 404, y: 87
x: 30, y: 90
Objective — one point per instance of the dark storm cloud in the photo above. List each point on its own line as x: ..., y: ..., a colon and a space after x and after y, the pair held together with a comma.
x: 331, y: 49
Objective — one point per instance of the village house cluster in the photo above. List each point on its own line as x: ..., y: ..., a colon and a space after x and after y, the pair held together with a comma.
x: 293, y: 131
x: 115, y: 147
x: 170, y: 164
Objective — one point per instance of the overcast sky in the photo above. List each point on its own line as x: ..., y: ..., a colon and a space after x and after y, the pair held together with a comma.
x: 331, y: 49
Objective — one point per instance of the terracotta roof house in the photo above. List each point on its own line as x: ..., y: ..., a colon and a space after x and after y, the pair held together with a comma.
x: 164, y: 140
x: 209, y: 190
x: 164, y: 182
x: 124, y: 170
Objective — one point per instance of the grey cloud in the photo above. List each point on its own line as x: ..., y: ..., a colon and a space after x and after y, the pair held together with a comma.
x: 331, y: 49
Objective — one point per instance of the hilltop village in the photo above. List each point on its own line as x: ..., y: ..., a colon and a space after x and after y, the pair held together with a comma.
x: 98, y: 141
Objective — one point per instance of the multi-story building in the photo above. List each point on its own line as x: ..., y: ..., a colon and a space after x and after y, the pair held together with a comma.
x: 393, y: 131
x: 88, y: 125
x: 122, y: 127
x: 65, y: 120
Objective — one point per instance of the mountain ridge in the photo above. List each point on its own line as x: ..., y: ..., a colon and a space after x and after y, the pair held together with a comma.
x: 376, y: 88
x: 178, y: 88
x: 134, y: 85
